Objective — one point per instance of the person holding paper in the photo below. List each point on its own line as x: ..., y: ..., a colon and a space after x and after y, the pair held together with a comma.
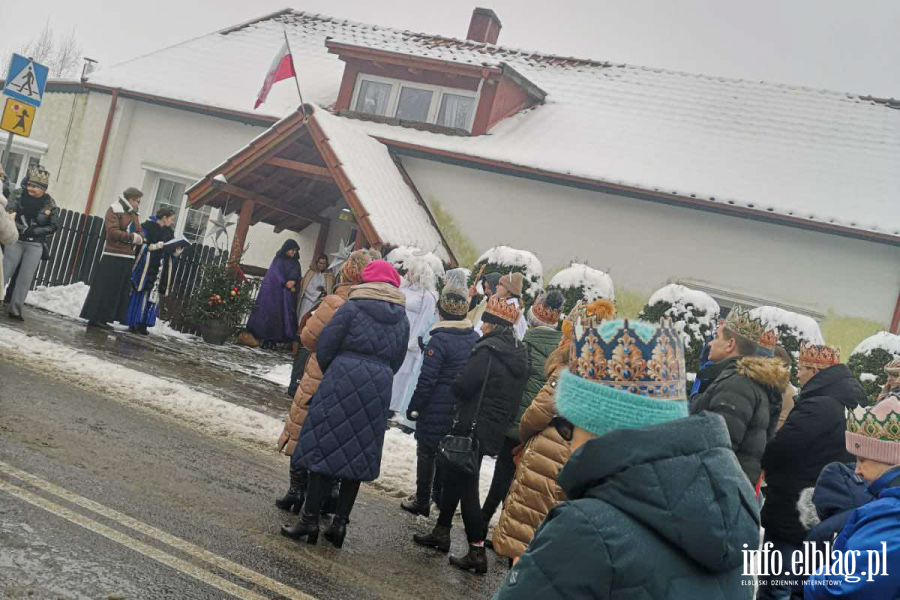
x: 153, y: 271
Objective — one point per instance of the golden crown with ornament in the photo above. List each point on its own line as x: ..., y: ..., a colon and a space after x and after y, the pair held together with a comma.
x: 819, y: 357
x: 742, y: 323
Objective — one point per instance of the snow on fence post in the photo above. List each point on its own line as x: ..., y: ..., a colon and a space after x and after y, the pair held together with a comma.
x: 693, y: 313
x: 867, y: 361
x: 581, y: 282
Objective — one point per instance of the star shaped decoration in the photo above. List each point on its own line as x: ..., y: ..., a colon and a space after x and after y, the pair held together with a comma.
x: 338, y: 258
x: 218, y: 227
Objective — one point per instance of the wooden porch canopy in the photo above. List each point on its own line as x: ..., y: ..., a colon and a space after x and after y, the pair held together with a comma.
x: 303, y: 166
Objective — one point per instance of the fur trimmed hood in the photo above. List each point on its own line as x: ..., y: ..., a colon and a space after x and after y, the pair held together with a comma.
x: 768, y: 372
x: 464, y: 324
x: 122, y: 206
x: 809, y: 516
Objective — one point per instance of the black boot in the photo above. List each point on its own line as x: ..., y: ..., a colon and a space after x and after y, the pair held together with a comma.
x: 413, y: 506
x: 475, y: 560
x: 438, y: 538
x: 293, y: 500
x: 307, y: 526
x: 347, y: 498
x: 332, y: 493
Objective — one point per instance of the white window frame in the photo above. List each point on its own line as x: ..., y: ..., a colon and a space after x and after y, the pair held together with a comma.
x: 398, y: 84
x: 153, y: 176
x: 28, y: 149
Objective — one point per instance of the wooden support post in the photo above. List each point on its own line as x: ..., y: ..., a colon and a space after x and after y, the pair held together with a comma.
x: 360, y: 240
x: 321, y: 240
x: 240, y: 232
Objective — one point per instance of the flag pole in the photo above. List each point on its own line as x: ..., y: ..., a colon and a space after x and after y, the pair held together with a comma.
x: 294, y: 68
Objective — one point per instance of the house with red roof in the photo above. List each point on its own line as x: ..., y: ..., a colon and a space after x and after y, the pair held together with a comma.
x: 754, y: 192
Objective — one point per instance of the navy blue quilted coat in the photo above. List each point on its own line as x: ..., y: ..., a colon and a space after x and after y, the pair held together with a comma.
x: 359, y: 351
x: 447, y: 352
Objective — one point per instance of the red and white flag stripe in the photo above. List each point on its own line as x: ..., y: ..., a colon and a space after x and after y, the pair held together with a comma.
x: 282, y: 68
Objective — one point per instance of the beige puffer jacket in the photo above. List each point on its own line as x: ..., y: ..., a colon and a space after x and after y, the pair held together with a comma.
x: 534, y: 491
x: 312, y: 374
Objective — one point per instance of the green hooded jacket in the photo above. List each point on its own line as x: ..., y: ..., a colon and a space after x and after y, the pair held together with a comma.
x: 540, y: 341
x: 658, y: 512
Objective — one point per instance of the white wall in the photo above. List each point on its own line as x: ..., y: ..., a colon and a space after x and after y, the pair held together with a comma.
x: 644, y: 245
x: 143, y: 136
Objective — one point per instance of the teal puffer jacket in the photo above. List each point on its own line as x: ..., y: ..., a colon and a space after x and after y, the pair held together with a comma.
x: 659, y: 512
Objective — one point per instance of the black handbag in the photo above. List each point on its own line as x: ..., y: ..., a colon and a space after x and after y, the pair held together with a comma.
x: 460, y: 452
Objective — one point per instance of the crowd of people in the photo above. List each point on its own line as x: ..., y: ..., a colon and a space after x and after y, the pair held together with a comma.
x: 610, y: 476
x: 135, y: 270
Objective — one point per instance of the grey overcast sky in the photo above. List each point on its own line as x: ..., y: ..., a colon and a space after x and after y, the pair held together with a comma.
x: 844, y: 45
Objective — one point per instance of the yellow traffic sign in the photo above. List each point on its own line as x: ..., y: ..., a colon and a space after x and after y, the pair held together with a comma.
x: 17, y: 117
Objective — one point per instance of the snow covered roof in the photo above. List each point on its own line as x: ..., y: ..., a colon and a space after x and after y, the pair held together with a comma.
x: 808, y: 157
x: 347, y: 163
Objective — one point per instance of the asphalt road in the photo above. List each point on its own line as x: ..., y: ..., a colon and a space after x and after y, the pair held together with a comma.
x: 99, y: 500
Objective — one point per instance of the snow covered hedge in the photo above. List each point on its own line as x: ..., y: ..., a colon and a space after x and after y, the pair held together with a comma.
x: 503, y: 260
x: 694, y: 313
x: 581, y: 282
x: 792, y: 329
x: 868, y: 359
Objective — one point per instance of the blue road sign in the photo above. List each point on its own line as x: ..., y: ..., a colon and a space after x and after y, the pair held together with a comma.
x: 26, y: 80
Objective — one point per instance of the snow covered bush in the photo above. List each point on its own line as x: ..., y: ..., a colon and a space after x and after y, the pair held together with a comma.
x: 792, y: 329
x: 503, y: 260
x: 581, y: 282
x: 402, y: 256
x: 868, y: 359
x: 693, y: 313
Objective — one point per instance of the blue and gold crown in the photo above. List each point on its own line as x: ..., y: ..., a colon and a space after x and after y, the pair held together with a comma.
x: 635, y: 357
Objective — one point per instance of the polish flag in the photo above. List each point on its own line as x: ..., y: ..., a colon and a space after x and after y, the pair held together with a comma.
x: 282, y: 68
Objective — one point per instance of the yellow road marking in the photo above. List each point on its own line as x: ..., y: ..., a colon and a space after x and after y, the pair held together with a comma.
x: 157, y: 534
x: 131, y: 543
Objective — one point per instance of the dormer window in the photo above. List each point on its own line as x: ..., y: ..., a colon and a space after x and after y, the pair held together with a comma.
x: 408, y: 101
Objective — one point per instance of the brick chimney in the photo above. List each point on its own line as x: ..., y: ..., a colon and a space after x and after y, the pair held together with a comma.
x: 484, y: 26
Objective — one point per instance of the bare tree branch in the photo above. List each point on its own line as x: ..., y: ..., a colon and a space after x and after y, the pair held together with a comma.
x: 61, y: 54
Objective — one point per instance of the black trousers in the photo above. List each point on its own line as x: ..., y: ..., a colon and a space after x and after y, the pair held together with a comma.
x: 320, y: 485
x: 462, y: 490
x: 504, y: 473
x: 429, y: 479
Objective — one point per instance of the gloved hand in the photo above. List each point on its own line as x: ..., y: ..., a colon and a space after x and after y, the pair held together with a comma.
x: 136, y: 239
x: 29, y: 232
x: 412, y: 415
x: 421, y: 344
x: 179, y: 250
x: 156, y: 246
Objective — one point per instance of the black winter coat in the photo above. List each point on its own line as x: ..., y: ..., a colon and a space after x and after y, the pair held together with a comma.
x: 41, y: 227
x: 153, y: 233
x: 746, y: 391
x: 540, y: 341
x: 509, y: 372
x: 447, y: 353
x: 359, y: 351
x: 660, y: 512
x: 812, y: 437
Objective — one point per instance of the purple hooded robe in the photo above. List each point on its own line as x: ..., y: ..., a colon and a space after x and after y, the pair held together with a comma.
x: 274, y: 317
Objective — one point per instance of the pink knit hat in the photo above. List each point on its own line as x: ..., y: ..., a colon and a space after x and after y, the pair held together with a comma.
x: 381, y: 271
x: 876, y: 436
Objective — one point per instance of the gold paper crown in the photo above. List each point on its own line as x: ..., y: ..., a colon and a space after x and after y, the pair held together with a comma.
x: 819, y: 357
x: 545, y: 314
x: 38, y: 175
x: 454, y: 301
x: 740, y: 321
x: 508, y: 311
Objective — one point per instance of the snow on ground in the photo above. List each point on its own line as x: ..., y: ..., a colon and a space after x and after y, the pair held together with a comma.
x: 280, y: 375
x: 196, y: 409
x: 803, y: 327
x: 67, y: 300
x: 882, y: 339
x: 597, y: 284
x: 511, y: 257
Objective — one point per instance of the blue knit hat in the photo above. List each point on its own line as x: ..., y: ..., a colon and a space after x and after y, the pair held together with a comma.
x: 623, y: 375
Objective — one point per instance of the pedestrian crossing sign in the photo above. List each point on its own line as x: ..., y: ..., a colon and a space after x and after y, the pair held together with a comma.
x: 17, y: 117
x: 26, y: 80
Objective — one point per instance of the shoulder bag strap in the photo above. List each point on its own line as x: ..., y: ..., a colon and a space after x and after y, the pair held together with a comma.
x: 487, y: 374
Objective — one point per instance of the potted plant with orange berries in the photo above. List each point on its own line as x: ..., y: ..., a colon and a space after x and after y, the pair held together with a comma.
x: 221, y: 302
